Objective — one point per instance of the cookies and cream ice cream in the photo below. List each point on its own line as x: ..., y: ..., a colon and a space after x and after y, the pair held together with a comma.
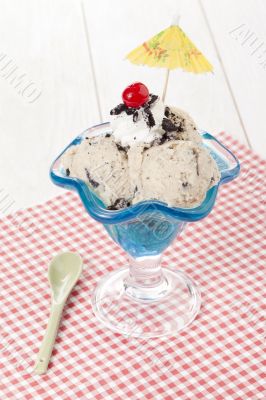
x: 184, y: 173
x: 153, y: 153
x: 99, y: 162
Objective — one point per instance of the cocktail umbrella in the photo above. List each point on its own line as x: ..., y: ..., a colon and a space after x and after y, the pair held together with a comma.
x: 170, y: 49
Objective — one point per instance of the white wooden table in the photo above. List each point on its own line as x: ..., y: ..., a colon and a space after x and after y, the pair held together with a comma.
x: 67, y: 58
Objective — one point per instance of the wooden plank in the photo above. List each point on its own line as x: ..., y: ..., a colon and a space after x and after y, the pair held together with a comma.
x: 117, y: 27
x: 45, y: 40
x: 239, y: 31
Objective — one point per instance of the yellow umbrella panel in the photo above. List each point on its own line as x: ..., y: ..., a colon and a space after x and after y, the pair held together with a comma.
x: 170, y: 49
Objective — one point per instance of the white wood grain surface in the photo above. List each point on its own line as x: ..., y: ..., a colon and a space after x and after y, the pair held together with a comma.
x: 72, y: 54
x: 239, y: 31
x: 46, y: 40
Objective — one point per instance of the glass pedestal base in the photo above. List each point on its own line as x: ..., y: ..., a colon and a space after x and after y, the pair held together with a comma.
x: 146, y: 311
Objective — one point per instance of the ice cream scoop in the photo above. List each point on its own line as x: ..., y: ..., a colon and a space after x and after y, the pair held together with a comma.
x: 103, y: 164
x: 184, y: 173
x: 63, y: 273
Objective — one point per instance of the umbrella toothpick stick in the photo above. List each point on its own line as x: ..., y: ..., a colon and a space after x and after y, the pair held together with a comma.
x: 175, y: 21
x: 165, y: 84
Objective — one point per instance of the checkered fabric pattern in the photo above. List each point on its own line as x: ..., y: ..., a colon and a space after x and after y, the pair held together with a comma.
x: 219, y: 356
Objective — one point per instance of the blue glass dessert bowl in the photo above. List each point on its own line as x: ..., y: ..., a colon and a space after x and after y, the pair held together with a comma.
x: 143, y: 299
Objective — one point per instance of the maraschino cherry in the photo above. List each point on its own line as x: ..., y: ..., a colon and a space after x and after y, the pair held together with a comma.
x: 135, y: 95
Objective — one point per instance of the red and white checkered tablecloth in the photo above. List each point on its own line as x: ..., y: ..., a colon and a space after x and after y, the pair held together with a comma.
x: 220, y: 356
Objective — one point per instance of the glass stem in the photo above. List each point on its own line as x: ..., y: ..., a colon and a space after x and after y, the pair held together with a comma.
x: 145, y: 281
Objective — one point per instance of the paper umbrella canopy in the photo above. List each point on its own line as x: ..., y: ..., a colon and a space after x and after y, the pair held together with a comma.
x: 170, y: 49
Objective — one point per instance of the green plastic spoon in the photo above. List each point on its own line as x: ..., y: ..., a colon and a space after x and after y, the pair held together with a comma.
x: 63, y: 273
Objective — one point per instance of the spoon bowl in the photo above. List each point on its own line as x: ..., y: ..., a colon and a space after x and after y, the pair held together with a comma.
x: 63, y: 273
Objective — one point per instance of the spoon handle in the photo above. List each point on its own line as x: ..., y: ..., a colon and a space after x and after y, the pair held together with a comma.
x: 45, y: 351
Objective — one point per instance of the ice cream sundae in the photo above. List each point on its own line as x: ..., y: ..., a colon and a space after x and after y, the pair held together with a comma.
x: 154, y: 152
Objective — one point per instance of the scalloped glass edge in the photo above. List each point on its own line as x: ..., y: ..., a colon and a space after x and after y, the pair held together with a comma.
x: 228, y: 164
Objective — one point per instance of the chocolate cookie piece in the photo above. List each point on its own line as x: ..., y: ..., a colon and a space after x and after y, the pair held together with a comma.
x: 149, y: 118
x: 135, y: 116
x: 152, y: 99
x: 130, y: 111
x: 93, y: 183
x: 163, y: 139
x: 118, y: 204
x: 196, y: 154
x: 118, y: 109
x: 167, y: 112
x: 184, y: 184
x: 122, y: 148
x: 169, y: 126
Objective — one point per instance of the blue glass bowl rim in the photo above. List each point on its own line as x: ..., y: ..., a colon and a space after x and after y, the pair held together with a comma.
x: 101, y: 214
